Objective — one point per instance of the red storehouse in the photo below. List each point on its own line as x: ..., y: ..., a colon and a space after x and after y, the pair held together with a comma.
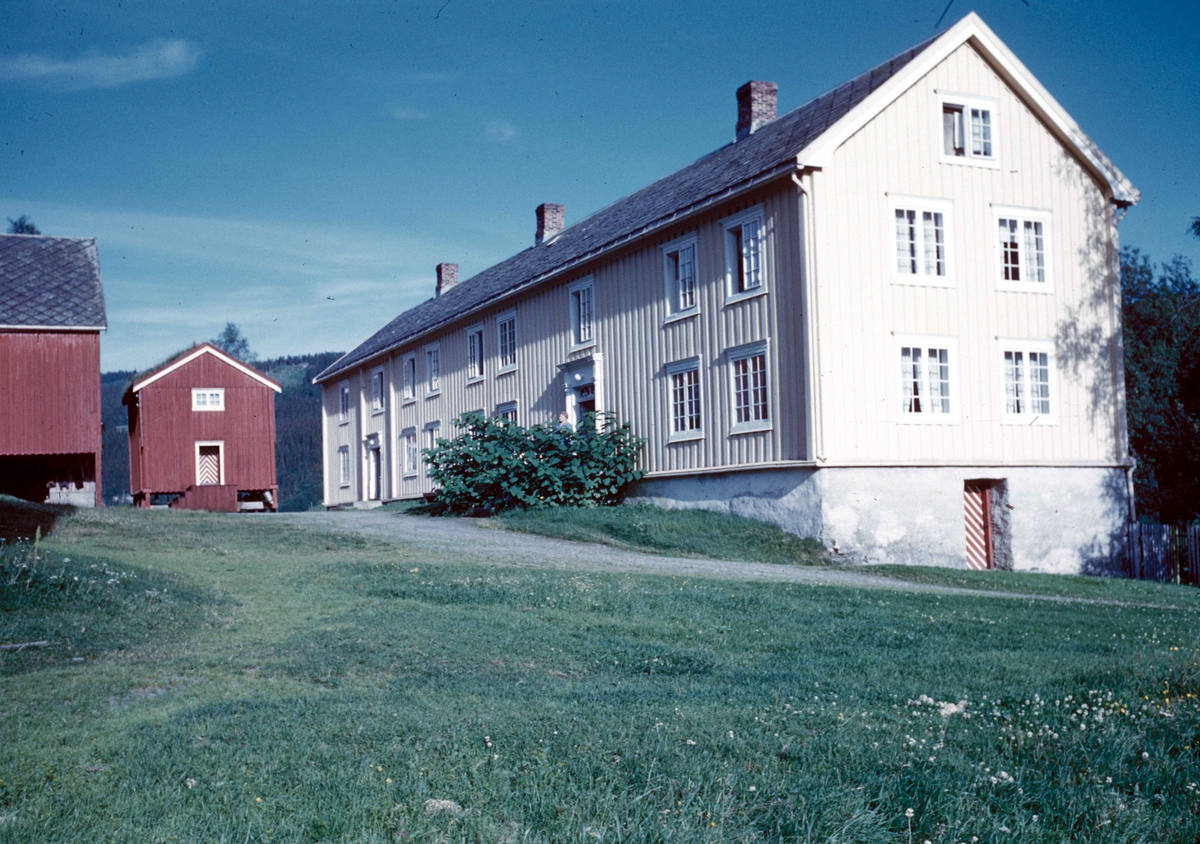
x: 202, y: 434
x: 51, y: 316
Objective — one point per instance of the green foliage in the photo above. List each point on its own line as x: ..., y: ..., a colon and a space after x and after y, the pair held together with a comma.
x: 676, y: 533
x: 498, y: 465
x: 22, y: 225
x: 233, y: 342
x: 1161, y: 315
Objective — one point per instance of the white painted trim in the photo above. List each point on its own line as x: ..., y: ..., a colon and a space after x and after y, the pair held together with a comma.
x: 1019, y: 344
x: 416, y: 469
x: 343, y: 388
x: 945, y: 207
x: 587, y: 281
x: 220, y: 444
x: 431, y: 391
x: 749, y: 350
x: 966, y: 102
x: 472, y: 330
x: 219, y: 355
x: 678, y: 367
x: 378, y: 370
x: 925, y: 342
x: 820, y: 152
x: 325, y: 483
x: 404, y: 361
x: 755, y: 213
x: 670, y: 288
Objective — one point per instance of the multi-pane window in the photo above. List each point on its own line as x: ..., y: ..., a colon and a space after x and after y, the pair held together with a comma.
x: 1022, y: 250
x: 744, y: 253
x: 685, y: 401
x: 412, y: 453
x: 582, y: 313
x: 208, y: 398
x: 967, y: 131
x: 377, y: 390
x: 925, y: 380
x: 433, y: 369
x: 506, y: 333
x: 344, y: 401
x: 679, y: 268
x: 344, y: 465
x: 920, y: 242
x: 431, y: 435
x: 408, y: 374
x: 507, y: 412
x: 475, y: 352
x: 750, y: 401
x: 1027, y: 382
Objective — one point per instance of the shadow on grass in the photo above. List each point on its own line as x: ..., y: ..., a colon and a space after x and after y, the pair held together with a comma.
x: 23, y: 520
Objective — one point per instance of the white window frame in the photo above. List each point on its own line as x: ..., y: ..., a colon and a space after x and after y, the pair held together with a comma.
x: 508, y: 407
x: 220, y: 444
x: 1021, y: 215
x: 671, y: 289
x: 410, y: 459
x: 738, y: 223
x: 202, y: 399
x: 432, y: 432
x: 732, y: 356
x: 925, y: 342
x: 576, y: 300
x: 921, y: 204
x: 967, y: 102
x: 1026, y: 346
x: 378, y: 391
x: 501, y: 320
x: 344, y: 466
x: 681, y: 367
x: 408, y: 378
x: 476, y: 354
x: 433, y: 374
x: 344, y: 403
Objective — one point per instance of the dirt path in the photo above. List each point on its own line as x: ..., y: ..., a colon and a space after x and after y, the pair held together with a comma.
x: 470, y: 540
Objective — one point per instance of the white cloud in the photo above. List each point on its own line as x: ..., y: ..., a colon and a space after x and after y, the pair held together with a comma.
x: 157, y: 59
x: 409, y: 114
x: 500, y: 130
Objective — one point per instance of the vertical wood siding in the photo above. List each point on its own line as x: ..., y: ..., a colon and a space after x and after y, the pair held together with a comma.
x: 163, y: 429
x: 862, y: 310
x: 635, y: 340
x: 50, y: 384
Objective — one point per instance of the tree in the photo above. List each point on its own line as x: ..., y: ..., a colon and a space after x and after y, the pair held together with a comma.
x: 1194, y: 228
x: 231, y: 341
x: 1161, y: 315
x: 22, y: 225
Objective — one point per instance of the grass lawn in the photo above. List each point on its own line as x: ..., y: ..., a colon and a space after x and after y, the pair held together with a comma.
x: 244, y: 680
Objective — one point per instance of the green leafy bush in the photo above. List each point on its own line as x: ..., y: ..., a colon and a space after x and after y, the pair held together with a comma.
x: 498, y: 465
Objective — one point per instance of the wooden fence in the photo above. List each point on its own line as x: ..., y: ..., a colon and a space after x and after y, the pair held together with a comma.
x: 1165, y: 553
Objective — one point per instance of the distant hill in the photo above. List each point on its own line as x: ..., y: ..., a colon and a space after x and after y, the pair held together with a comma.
x: 297, y: 430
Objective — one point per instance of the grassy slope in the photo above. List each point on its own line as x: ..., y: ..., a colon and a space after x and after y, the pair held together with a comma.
x: 683, y: 533
x: 340, y: 683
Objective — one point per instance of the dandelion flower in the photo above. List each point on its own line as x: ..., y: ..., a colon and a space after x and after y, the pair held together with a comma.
x: 908, y: 813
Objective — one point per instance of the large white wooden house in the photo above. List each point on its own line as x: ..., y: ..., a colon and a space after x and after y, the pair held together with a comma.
x: 888, y: 319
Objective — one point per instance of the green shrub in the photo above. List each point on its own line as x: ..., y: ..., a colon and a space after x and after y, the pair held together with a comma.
x: 498, y: 465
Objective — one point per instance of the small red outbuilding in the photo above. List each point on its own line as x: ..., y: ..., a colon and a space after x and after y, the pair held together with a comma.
x: 202, y: 434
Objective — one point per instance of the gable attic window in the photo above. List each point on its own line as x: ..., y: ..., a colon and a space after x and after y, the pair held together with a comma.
x: 583, y: 329
x: 408, y: 378
x: 344, y: 402
x: 208, y: 398
x: 968, y: 128
x: 927, y: 384
x: 679, y: 276
x: 474, y: 353
x: 506, y: 340
x: 745, y: 271
x: 377, y: 397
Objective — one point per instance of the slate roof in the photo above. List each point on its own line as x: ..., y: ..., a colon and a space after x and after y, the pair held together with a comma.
x: 50, y: 281
x: 771, y: 147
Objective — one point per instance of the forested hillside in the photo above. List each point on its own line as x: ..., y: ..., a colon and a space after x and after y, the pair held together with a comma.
x: 297, y: 430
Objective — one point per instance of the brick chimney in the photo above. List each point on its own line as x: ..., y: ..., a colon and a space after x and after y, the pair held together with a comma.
x: 756, y: 106
x: 447, y: 277
x: 550, y: 218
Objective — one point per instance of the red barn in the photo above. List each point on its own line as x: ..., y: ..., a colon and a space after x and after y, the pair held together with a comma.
x: 202, y: 434
x: 51, y: 316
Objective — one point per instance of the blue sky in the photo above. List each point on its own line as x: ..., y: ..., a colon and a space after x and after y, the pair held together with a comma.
x: 300, y: 168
